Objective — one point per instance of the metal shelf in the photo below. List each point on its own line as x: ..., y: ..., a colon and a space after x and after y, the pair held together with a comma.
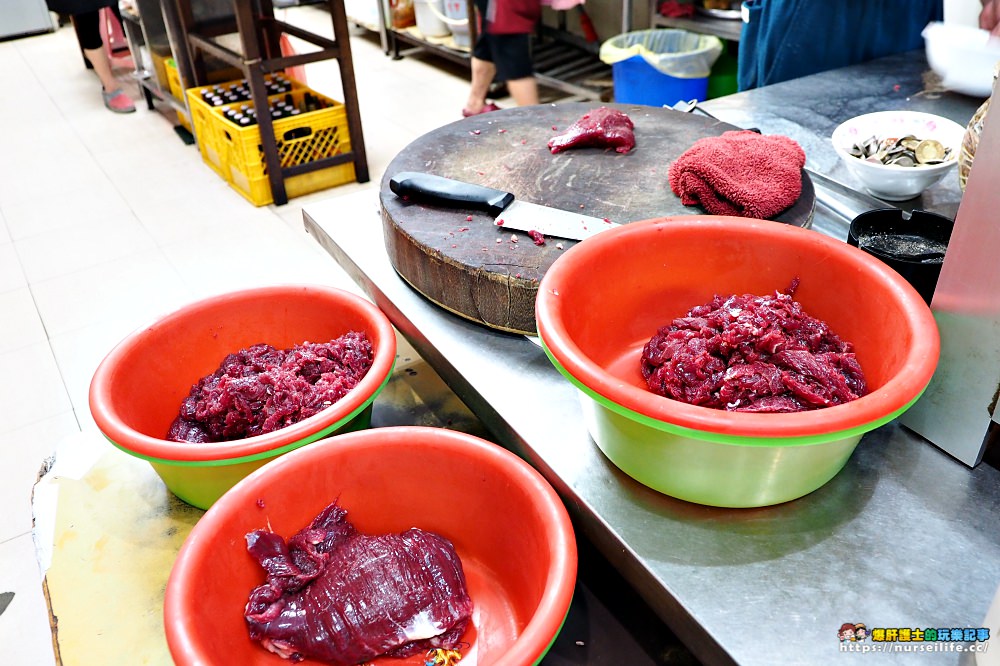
x: 707, y: 25
x: 562, y: 61
x: 441, y: 46
x: 370, y: 16
x: 146, y: 33
x: 444, y: 47
x: 574, y: 70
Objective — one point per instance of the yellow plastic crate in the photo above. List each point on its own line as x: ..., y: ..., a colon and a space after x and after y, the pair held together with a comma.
x: 177, y: 91
x: 299, y: 139
x: 205, y: 131
x: 174, y: 80
x: 258, y: 190
x: 208, y: 125
x: 160, y: 66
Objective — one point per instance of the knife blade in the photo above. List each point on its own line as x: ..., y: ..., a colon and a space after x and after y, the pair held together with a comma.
x: 830, y: 192
x: 508, y: 211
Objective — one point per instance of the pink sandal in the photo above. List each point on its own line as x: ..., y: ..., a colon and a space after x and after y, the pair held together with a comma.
x: 486, y: 109
x: 118, y: 101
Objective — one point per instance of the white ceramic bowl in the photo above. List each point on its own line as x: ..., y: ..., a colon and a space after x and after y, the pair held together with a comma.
x: 964, y: 57
x: 889, y: 181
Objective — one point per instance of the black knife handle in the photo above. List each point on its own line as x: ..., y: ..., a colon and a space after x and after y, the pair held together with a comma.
x: 441, y: 191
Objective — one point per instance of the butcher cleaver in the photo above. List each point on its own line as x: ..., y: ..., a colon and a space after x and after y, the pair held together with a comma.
x: 508, y: 211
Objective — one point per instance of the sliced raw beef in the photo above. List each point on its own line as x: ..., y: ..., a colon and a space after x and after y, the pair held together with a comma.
x: 752, y: 354
x: 601, y: 128
x: 344, y: 598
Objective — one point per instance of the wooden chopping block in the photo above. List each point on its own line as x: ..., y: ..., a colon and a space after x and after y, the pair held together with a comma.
x: 461, y: 261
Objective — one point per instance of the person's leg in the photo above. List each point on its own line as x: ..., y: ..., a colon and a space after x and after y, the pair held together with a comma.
x: 524, y: 91
x: 483, y: 72
x: 114, y: 97
x: 88, y: 31
x: 102, y: 67
x: 512, y: 54
x: 483, y: 69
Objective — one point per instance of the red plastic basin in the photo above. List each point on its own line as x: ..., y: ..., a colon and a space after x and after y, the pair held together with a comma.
x: 508, y: 526
x: 137, y: 390
x: 603, y: 299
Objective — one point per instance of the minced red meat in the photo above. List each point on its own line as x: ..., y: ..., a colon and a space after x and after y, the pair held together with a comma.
x: 262, y: 389
x: 752, y: 354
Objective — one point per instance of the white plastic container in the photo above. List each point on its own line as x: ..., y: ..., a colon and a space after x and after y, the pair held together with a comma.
x: 962, y: 12
x: 965, y: 58
x: 458, y: 20
x: 429, y: 15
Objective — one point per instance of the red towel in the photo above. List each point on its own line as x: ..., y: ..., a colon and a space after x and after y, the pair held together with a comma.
x: 740, y: 173
x: 674, y: 9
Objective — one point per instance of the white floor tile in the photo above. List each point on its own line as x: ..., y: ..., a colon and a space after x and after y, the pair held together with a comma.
x: 182, y: 178
x: 16, y: 71
x: 38, y: 392
x: 24, y: 451
x: 22, y: 325
x: 77, y: 204
x: 133, y: 148
x: 42, y: 137
x: 78, y: 354
x: 36, y: 178
x: 188, y: 222
x: 24, y: 626
x: 134, y: 288
x: 64, y: 251
x: 251, y: 260
x: 42, y: 127
x: 11, y: 273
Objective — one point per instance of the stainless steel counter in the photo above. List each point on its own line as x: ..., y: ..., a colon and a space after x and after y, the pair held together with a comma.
x: 810, y: 108
x: 903, y: 537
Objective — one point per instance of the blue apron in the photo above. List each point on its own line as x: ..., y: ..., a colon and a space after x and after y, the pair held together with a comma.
x: 786, y: 39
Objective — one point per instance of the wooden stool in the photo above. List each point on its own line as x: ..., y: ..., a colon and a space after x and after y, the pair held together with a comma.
x: 260, y: 37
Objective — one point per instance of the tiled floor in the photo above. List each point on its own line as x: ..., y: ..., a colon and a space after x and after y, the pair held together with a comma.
x: 108, y: 220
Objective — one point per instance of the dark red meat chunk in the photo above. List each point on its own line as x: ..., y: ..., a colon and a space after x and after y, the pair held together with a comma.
x: 752, y: 354
x: 344, y: 598
x: 601, y: 128
x: 537, y: 237
x: 262, y: 389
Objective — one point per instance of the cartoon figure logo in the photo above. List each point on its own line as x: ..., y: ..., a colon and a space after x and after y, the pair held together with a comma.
x: 846, y: 633
x: 860, y: 632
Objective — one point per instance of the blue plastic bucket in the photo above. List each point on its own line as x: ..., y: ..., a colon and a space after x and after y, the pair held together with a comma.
x: 637, y: 82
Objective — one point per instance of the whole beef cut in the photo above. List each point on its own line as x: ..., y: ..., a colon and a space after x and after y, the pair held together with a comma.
x: 600, y: 128
x: 341, y: 597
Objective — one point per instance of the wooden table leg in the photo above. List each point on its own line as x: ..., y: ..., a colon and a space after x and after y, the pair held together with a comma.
x: 346, y: 64
x: 249, y: 30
